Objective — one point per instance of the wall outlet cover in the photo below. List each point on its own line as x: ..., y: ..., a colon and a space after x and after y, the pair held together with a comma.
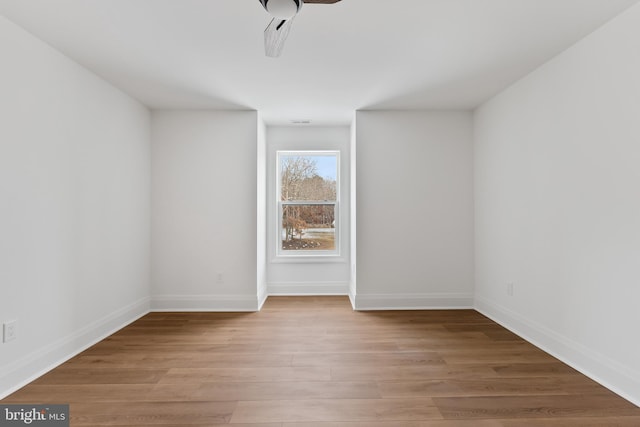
x: 9, y: 331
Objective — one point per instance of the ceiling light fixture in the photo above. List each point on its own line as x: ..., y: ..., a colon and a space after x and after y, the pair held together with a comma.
x: 283, y: 13
x: 282, y: 9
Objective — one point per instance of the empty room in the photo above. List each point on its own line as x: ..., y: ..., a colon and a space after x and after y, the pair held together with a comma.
x: 287, y: 213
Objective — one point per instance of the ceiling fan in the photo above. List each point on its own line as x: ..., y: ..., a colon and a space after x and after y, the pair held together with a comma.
x: 283, y: 12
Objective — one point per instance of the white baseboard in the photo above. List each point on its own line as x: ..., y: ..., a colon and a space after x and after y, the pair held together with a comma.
x: 308, y: 288
x: 352, y: 294
x: 618, y: 378
x: 435, y: 301
x: 262, y: 295
x: 20, y: 373
x: 222, y: 303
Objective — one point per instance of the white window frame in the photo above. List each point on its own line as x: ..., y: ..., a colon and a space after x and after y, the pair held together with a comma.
x: 307, y: 254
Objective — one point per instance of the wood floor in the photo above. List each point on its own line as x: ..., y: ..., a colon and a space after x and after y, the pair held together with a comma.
x: 314, y: 362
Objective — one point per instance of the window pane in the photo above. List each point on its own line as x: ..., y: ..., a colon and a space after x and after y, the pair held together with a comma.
x: 308, y: 228
x: 308, y: 177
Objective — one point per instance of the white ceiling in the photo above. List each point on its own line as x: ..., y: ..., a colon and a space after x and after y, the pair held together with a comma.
x: 357, y: 54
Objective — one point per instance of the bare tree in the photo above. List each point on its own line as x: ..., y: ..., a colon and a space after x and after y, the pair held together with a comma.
x: 294, y: 171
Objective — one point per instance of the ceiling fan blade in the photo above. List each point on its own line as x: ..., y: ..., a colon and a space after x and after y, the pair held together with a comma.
x: 321, y: 1
x: 275, y: 35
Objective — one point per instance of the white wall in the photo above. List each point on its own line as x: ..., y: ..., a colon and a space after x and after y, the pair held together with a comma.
x: 295, y: 277
x: 414, y: 209
x: 261, y: 214
x: 204, y: 207
x: 557, y: 172
x: 353, y: 217
x: 74, y: 206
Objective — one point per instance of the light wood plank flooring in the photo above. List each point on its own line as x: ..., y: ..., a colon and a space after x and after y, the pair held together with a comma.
x: 314, y: 362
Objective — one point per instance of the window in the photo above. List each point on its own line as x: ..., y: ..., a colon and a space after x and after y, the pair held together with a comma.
x: 308, y: 197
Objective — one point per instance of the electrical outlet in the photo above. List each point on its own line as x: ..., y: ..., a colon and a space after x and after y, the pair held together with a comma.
x: 9, y: 331
x: 510, y: 289
x: 220, y: 279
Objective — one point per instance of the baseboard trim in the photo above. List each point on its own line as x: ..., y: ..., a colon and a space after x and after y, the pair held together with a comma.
x: 20, y: 373
x: 435, y: 301
x: 352, y: 294
x: 307, y: 288
x: 212, y: 303
x: 618, y: 378
x: 262, y: 297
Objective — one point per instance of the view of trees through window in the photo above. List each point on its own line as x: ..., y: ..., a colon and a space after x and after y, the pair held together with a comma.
x: 308, y: 195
